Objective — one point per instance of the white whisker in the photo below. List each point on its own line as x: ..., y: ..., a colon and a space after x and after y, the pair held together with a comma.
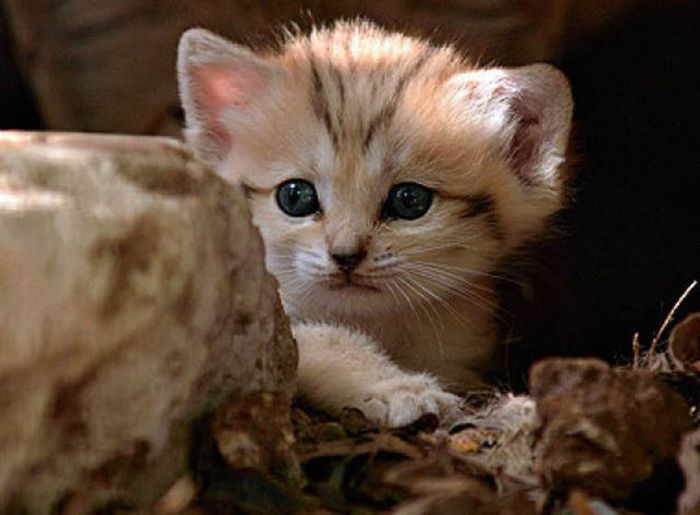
x: 457, y: 286
x: 425, y: 310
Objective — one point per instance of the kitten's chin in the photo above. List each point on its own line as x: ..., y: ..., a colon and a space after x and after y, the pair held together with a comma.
x: 347, y: 302
x: 352, y: 302
x: 353, y: 289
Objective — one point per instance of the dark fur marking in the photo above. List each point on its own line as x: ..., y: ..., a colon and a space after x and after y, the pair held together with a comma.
x: 384, y: 116
x: 317, y: 94
x: 337, y: 76
x: 412, y: 72
x: 320, y: 105
x: 331, y: 131
x: 247, y: 190
x: 478, y: 205
x: 483, y: 205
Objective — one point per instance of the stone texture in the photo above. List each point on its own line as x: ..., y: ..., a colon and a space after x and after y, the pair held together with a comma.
x: 684, y: 345
x: 604, y: 430
x: 133, y: 298
x: 256, y: 432
x: 689, y: 459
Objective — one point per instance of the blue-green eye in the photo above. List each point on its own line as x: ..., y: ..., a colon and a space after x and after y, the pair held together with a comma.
x: 297, y: 198
x: 408, y: 200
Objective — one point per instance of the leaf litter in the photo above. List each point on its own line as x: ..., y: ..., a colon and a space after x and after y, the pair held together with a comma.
x: 588, y: 439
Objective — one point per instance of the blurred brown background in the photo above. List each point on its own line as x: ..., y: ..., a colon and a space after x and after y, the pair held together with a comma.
x: 630, y: 243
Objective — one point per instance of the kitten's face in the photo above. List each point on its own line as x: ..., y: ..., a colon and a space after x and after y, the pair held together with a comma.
x: 363, y: 228
x: 383, y: 174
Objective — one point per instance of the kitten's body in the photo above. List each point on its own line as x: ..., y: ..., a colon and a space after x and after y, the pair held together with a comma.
x: 357, y: 113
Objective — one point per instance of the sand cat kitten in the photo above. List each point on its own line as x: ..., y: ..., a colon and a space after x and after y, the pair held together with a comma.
x: 388, y: 177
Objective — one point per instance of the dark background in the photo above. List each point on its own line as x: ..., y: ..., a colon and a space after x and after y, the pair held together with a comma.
x: 630, y: 236
x: 635, y: 220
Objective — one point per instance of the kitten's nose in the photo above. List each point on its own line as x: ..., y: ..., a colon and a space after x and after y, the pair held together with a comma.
x: 347, y: 262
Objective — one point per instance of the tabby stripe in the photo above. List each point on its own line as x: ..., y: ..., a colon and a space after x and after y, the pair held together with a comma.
x: 484, y: 205
x: 340, y: 110
x: 384, y: 116
x: 319, y: 100
x: 412, y: 72
x: 381, y: 118
x: 338, y: 77
x: 480, y: 205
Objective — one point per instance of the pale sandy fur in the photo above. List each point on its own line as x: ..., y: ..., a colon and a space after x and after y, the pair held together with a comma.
x: 354, y: 110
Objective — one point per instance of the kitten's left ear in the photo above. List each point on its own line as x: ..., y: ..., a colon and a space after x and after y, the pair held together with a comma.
x: 217, y: 77
x: 527, y: 111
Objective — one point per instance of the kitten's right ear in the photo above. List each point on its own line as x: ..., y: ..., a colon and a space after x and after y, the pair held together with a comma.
x: 216, y: 77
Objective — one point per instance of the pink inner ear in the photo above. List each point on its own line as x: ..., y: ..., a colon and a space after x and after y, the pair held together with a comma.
x: 525, y: 142
x: 219, y: 87
x: 527, y: 110
x: 522, y: 110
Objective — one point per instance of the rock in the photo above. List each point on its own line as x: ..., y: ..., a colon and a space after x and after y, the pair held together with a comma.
x: 603, y: 430
x: 256, y: 431
x: 579, y: 503
x: 133, y: 298
x: 689, y: 459
x: 684, y: 344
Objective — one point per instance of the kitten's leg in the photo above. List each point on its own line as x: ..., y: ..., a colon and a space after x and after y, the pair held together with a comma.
x: 340, y: 367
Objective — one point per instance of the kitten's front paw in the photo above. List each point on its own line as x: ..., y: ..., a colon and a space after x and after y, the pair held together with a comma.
x: 397, y: 402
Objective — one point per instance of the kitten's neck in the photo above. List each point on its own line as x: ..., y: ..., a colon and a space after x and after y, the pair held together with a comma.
x: 453, y: 343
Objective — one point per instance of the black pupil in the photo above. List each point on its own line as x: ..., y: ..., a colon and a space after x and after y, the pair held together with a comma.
x: 297, y: 197
x: 409, y: 198
x: 409, y: 201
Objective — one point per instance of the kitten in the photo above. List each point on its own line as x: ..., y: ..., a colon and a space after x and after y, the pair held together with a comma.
x: 389, y: 178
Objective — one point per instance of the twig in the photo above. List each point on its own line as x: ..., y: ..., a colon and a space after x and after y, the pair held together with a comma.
x: 669, y: 318
x: 635, y: 350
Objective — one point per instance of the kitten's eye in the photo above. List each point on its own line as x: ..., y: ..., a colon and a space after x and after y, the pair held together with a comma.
x: 408, y: 200
x: 297, y: 197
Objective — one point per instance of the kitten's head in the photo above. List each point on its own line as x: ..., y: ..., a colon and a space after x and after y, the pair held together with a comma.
x: 382, y: 171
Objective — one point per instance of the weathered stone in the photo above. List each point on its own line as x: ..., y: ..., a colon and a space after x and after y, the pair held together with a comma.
x: 604, y: 430
x: 689, y: 460
x: 133, y: 298
x: 256, y: 432
x: 684, y: 344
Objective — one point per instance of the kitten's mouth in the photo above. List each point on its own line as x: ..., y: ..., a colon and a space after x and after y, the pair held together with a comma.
x: 350, y: 283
